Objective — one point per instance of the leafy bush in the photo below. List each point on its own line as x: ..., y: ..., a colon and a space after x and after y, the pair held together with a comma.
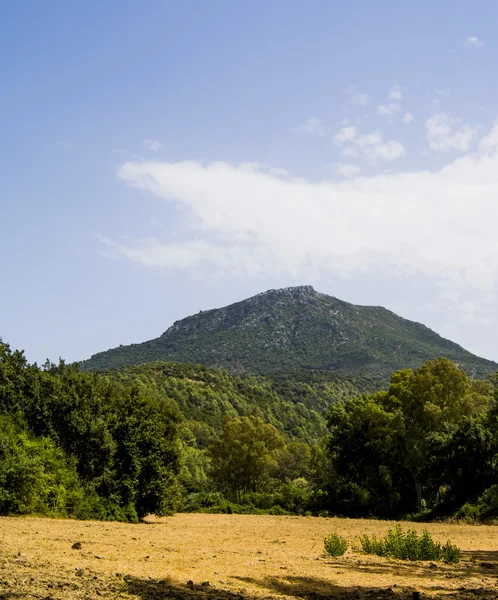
x: 372, y: 545
x: 485, y: 508
x: 277, y: 510
x: 409, y: 546
x: 451, y: 553
x: 35, y: 475
x: 335, y: 545
x: 197, y: 501
x: 79, y: 444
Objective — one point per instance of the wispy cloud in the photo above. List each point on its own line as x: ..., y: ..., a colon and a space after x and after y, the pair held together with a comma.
x: 393, y: 107
x: 371, y: 146
x: 311, y: 126
x: 346, y: 134
x: 444, y: 132
x: 245, y: 223
x: 279, y: 172
x: 388, y: 110
x: 396, y: 92
x: 439, y: 95
x: 474, y: 42
x: 152, y: 145
x: 347, y: 170
x: 407, y: 117
x: 356, y: 97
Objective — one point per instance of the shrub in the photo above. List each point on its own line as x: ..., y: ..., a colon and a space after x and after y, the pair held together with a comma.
x: 35, y: 475
x: 451, y: 553
x: 409, y: 546
x: 335, y: 545
x: 278, y: 510
x: 372, y: 545
x: 484, y: 509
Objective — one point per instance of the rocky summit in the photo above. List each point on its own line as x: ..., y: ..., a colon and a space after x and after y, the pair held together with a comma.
x: 296, y: 328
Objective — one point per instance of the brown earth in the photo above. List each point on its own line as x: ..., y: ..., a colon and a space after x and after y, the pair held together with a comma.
x: 233, y: 557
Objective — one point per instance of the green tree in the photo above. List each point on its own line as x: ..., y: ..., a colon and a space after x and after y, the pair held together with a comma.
x: 367, y: 477
x: 35, y: 476
x: 245, y: 456
x: 147, y: 456
x: 383, y: 445
x: 433, y: 399
x: 120, y: 436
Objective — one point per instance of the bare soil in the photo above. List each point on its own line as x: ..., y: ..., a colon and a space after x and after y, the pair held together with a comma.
x: 232, y: 557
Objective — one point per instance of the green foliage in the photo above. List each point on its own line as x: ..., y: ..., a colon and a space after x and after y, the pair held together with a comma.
x: 162, y: 436
x: 485, y: 508
x: 35, y: 476
x: 335, y: 545
x: 409, y: 545
x: 383, y: 447
x: 80, y: 444
x: 216, y: 503
x: 205, y: 396
x: 280, y: 330
x: 451, y: 553
x: 245, y: 456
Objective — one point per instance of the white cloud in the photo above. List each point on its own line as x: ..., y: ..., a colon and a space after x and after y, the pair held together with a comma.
x: 489, y: 143
x: 408, y: 117
x: 440, y: 94
x: 395, y: 93
x: 474, y: 41
x: 346, y: 134
x: 371, y: 146
x: 444, y: 132
x: 388, y: 110
x: 153, y: 145
x: 251, y: 223
x: 359, y: 99
x: 356, y: 97
x: 347, y: 170
x: 279, y: 172
x: 375, y: 148
x: 311, y: 126
x: 350, y: 152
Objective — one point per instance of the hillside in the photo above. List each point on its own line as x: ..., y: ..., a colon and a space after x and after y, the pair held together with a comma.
x: 205, y: 396
x: 296, y: 328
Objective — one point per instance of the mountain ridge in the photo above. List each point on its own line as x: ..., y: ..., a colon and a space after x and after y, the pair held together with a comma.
x: 296, y: 327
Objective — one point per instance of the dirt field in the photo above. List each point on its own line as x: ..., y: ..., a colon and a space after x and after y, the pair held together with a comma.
x: 235, y: 557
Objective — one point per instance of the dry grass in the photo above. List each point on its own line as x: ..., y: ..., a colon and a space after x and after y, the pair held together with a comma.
x: 241, y: 556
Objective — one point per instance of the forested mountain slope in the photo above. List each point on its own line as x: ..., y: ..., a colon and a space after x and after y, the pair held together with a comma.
x: 205, y: 396
x: 296, y: 328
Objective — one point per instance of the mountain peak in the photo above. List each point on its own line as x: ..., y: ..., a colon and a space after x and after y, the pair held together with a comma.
x: 293, y: 292
x: 296, y: 327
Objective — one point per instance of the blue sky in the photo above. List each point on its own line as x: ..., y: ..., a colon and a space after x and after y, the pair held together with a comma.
x: 161, y: 158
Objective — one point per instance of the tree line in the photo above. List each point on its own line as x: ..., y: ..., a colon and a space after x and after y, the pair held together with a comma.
x: 165, y: 437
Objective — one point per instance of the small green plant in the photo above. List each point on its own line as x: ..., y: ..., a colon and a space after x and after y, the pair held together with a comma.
x: 335, y: 545
x: 451, y: 553
x: 409, y: 546
x: 123, y: 588
x: 372, y: 545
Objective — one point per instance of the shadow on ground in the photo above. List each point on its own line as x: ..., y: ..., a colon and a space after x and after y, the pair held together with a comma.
x: 305, y: 588
x: 482, y: 564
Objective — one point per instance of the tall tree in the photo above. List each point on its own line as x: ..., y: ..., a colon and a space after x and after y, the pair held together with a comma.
x: 383, y: 444
x: 245, y: 456
x: 433, y: 400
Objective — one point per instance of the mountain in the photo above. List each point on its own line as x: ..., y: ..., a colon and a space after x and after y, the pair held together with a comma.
x: 296, y: 328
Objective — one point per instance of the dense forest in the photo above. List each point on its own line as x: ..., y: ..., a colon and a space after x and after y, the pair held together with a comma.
x: 165, y: 437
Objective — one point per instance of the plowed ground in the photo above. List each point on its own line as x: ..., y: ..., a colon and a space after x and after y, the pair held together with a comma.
x: 233, y: 557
